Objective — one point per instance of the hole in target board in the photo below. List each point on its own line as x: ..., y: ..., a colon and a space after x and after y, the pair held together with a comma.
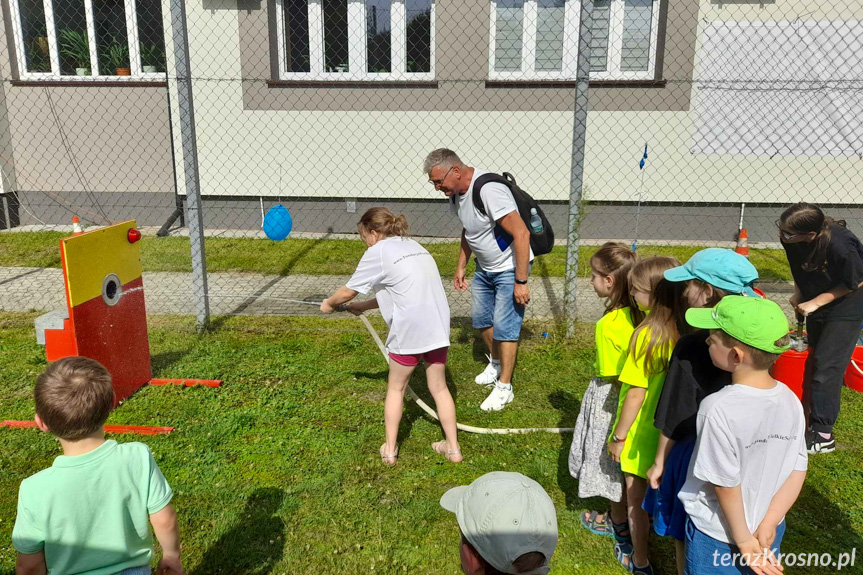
x: 112, y: 289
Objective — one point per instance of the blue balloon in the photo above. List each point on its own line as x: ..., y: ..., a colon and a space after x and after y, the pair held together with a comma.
x: 278, y: 223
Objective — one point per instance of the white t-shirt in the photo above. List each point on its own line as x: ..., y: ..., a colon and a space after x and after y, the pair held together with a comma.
x: 493, y: 254
x: 748, y: 437
x: 407, y: 284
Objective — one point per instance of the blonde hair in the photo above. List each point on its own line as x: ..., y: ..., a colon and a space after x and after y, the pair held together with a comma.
x: 616, y: 260
x: 74, y: 397
x: 384, y: 222
x: 666, y: 321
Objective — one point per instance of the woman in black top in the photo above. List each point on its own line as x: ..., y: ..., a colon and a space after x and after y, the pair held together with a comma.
x: 826, y: 261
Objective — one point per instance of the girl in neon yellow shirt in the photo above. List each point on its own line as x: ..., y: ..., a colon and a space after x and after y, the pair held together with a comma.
x: 634, y: 439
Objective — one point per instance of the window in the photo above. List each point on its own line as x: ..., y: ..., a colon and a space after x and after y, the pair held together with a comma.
x: 359, y: 40
x: 538, y: 39
x: 87, y: 39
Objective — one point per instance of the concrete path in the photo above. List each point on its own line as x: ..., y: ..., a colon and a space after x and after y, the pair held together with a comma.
x: 231, y: 293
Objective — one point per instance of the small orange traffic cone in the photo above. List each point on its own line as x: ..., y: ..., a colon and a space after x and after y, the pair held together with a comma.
x: 742, y: 243
x: 76, y: 226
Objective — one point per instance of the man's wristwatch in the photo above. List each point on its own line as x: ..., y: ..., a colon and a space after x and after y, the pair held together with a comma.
x: 616, y: 439
x: 521, y: 282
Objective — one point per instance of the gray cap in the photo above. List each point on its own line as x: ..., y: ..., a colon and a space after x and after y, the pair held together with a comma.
x: 504, y: 515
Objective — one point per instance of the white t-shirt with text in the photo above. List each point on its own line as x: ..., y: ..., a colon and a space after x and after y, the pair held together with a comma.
x: 407, y: 285
x: 493, y: 254
x: 749, y: 437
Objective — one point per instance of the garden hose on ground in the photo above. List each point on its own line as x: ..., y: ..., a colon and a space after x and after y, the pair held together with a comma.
x: 423, y: 405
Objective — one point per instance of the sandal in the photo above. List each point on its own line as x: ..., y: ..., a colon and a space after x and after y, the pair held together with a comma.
x: 620, y: 532
x: 389, y: 458
x: 630, y: 566
x: 589, y: 522
x: 451, y: 456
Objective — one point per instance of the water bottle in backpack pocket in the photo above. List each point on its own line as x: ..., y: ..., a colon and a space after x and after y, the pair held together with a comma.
x: 541, y: 234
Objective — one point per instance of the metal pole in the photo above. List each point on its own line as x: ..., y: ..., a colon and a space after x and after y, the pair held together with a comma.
x: 190, y: 162
x: 579, y: 133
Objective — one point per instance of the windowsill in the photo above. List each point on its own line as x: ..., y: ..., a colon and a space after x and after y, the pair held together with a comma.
x: 423, y: 84
x: 571, y: 83
x: 100, y: 83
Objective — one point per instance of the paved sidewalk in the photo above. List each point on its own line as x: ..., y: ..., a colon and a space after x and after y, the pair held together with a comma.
x: 41, y: 289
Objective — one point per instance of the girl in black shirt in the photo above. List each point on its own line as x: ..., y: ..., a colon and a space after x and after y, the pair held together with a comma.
x: 826, y: 261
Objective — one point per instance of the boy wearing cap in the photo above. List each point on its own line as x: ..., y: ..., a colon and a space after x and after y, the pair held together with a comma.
x: 508, y: 524
x: 750, y: 457
x: 710, y: 275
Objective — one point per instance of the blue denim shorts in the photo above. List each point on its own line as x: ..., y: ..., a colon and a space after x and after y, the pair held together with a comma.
x: 143, y: 570
x: 494, y: 304
x: 708, y: 556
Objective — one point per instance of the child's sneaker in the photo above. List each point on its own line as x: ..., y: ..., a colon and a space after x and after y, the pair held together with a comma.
x: 490, y: 373
x: 817, y: 443
x: 498, y: 398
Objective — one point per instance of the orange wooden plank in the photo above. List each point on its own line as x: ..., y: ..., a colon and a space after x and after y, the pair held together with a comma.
x: 136, y: 429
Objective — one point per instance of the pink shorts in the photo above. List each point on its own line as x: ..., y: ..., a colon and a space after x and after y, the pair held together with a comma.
x: 412, y: 360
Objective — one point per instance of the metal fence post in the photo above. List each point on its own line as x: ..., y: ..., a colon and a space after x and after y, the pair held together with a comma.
x: 579, y: 134
x: 190, y: 162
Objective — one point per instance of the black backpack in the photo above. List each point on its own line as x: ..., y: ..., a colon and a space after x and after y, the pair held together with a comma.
x: 542, y: 242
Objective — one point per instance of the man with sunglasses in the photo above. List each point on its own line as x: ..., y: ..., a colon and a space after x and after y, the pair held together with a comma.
x: 503, y: 258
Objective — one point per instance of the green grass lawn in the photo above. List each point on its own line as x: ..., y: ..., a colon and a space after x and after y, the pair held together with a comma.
x: 319, y: 257
x: 278, y: 471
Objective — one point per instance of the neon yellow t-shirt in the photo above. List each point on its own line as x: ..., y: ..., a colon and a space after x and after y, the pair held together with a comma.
x: 639, y: 451
x: 613, y: 332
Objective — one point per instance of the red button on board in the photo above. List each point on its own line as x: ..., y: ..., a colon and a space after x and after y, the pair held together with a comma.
x: 134, y: 235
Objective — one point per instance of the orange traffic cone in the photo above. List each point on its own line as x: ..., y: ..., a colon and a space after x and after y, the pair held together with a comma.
x: 742, y: 243
x: 76, y: 226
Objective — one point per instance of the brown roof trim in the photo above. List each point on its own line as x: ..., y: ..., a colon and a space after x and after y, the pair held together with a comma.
x: 571, y: 84
x: 89, y: 84
x: 351, y: 84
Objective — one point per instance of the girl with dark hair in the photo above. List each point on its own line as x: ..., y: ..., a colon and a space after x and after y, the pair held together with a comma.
x: 826, y: 261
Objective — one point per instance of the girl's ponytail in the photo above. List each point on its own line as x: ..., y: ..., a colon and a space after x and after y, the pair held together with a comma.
x: 384, y: 222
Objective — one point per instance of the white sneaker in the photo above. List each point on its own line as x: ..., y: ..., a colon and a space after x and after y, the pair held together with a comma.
x: 489, y: 374
x: 497, y: 399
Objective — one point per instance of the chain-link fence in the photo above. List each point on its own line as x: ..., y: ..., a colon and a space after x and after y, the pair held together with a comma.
x: 195, y: 118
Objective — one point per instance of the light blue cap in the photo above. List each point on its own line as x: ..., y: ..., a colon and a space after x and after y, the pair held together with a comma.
x: 725, y: 269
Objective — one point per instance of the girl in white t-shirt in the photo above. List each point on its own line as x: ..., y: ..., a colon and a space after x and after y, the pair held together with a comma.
x: 409, y: 292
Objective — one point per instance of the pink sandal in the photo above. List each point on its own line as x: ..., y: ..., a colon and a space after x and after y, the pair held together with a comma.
x: 451, y: 456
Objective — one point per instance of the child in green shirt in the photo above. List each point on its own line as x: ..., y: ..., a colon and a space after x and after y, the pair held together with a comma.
x: 88, y: 513
x: 634, y: 439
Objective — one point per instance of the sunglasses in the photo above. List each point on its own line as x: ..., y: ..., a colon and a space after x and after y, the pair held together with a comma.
x: 785, y: 235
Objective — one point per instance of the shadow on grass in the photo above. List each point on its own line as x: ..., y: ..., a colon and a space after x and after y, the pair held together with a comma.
x: 254, y: 544
x: 412, y: 412
x: 817, y: 525
x: 568, y: 406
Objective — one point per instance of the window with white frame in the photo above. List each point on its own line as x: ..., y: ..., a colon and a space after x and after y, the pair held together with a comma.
x: 356, y: 40
x: 538, y: 39
x: 88, y: 39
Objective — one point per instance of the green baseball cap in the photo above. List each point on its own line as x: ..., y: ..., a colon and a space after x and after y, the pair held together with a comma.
x: 504, y: 515
x: 754, y: 321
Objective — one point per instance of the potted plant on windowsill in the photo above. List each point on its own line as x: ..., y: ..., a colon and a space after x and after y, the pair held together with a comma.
x: 75, y: 46
x: 36, y: 50
x: 118, y: 59
x: 152, y: 59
